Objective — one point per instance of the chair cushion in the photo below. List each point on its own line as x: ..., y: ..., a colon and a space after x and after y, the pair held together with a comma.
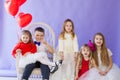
x: 36, y: 71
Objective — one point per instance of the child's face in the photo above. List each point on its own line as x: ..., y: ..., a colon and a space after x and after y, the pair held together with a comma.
x: 98, y: 40
x: 68, y: 27
x: 39, y: 36
x: 85, y: 52
x: 25, y: 38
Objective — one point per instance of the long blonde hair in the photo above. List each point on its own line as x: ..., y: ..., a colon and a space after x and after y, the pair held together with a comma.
x: 104, y: 53
x: 62, y: 34
x: 80, y: 56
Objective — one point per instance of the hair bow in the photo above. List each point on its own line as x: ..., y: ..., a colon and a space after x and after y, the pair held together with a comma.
x: 91, y: 46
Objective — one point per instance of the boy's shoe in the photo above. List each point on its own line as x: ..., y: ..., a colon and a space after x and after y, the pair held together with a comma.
x: 60, y: 61
x: 54, y: 68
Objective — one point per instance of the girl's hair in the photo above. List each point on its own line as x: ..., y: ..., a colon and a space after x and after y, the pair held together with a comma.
x: 104, y: 53
x: 27, y: 32
x: 80, y: 56
x: 62, y: 34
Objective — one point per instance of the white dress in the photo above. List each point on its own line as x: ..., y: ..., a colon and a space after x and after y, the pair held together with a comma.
x: 92, y: 74
x: 68, y: 46
x: 40, y: 55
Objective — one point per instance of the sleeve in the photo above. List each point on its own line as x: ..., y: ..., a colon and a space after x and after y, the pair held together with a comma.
x: 75, y: 44
x: 15, y: 48
x: 34, y: 48
x: 109, y: 52
x: 60, y: 45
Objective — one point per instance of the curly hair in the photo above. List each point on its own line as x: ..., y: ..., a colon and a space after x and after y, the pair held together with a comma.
x: 80, y: 56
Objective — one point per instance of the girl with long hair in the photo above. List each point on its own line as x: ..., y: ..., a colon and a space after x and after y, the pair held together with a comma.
x: 104, y: 68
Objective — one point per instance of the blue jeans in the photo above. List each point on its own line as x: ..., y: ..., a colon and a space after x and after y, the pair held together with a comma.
x: 45, y: 71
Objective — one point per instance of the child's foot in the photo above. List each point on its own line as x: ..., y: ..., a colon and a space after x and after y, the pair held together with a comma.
x: 54, y: 68
x: 60, y: 61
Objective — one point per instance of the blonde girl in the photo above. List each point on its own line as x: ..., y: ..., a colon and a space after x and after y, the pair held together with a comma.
x: 104, y: 67
x: 68, y: 49
x: 84, y: 62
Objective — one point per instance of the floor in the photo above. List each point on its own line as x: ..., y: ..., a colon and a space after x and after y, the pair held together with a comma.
x: 13, y: 78
x: 8, y: 78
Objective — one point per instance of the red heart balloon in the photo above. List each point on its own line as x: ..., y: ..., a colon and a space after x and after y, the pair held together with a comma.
x: 24, y: 19
x: 12, y: 7
x: 20, y: 2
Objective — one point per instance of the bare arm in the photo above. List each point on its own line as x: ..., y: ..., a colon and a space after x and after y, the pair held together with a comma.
x: 50, y: 49
x: 77, y: 68
x: 76, y: 56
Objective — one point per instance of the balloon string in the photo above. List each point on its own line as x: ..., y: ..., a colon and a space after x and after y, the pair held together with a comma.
x: 18, y: 32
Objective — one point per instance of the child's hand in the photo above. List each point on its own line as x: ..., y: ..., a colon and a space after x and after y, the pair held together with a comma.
x: 18, y: 50
x: 76, y: 78
x: 62, y: 56
x: 44, y: 42
x: 26, y: 53
x: 103, y: 73
x: 75, y: 56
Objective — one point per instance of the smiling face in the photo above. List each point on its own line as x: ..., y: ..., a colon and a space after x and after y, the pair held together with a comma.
x: 39, y: 36
x: 85, y: 51
x: 98, y: 40
x: 25, y: 38
x: 68, y: 27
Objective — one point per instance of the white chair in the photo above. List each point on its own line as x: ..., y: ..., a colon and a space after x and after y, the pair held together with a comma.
x: 49, y: 37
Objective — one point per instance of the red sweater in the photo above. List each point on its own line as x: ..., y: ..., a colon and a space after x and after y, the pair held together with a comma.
x: 24, y: 47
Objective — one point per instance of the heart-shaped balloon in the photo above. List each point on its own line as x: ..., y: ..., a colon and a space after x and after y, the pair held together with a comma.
x: 11, y: 7
x: 20, y: 2
x: 24, y: 19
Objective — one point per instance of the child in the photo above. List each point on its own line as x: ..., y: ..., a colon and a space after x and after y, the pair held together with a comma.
x: 104, y: 68
x: 27, y: 48
x: 84, y: 61
x: 25, y: 45
x: 42, y: 48
x: 68, y: 49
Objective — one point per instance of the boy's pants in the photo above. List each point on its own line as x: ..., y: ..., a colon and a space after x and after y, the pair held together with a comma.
x: 45, y: 71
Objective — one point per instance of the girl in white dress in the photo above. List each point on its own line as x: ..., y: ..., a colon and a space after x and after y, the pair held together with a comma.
x: 104, y: 68
x: 68, y: 49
